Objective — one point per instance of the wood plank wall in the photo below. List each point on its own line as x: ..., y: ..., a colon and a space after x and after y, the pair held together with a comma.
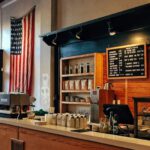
x: 125, y: 89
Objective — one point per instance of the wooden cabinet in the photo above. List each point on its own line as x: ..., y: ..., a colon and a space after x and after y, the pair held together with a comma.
x: 138, y: 100
x: 6, y: 133
x: 1, y: 70
x: 35, y: 140
x: 79, y: 74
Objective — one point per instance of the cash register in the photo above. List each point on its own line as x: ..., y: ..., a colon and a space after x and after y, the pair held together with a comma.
x: 120, y: 118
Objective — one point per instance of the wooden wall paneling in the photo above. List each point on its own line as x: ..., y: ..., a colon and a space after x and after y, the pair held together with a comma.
x: 119, y: 87
x: 105, y: 79
x: 6, y: 133
x: 125, y: 90
x: 140, y: 87
x: 106, y: 97
x: 35, y: 140
x: 99, y: 69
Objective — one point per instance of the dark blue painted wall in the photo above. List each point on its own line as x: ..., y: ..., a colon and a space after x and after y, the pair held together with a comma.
x: 100, y: 45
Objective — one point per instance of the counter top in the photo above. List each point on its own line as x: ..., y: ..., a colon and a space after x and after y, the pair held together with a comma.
x: 119, y: 141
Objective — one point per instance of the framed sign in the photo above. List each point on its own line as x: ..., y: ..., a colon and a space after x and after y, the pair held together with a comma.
x: 126, y: 62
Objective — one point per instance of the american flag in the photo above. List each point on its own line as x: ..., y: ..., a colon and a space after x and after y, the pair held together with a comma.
x: 22, y: 53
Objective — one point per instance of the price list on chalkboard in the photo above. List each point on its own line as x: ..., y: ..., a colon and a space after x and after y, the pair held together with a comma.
x: 127, y: 62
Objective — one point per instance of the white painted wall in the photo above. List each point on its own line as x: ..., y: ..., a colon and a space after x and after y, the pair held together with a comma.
x: 42, y: 51
x: 0, y: 30
x: 72, y: 12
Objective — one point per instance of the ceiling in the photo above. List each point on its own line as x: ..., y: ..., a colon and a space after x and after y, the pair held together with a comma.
x: 121, y: 22
x: 1, y: 1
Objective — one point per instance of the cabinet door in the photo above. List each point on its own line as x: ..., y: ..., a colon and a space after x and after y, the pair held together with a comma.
x: 6, y: 133
x: 35, y: 140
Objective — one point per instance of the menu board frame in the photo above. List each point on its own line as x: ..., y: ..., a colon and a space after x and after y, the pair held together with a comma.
x: 123, y: 47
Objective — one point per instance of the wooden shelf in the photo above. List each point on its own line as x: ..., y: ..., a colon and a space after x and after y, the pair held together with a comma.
x: 75, y: 91
x: 75, y: 103
x: 78, y: 56
x: 96, y: 68
x: 78, y: 75
x: 144, y: 114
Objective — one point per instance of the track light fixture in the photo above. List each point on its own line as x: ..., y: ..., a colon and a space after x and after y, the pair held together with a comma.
x: 78, y: 34
x: 54, y: 40
x: 111, y: 31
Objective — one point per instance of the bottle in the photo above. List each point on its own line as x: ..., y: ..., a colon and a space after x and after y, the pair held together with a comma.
x: 87, y: 67
x: 101, y: 125
x: 115, y: 124
x: 81, y: 68
x: 76, y: 68
x: 111, y: 122
x: 70, y: 69
x: 66, y: 70
x: 105, y: 127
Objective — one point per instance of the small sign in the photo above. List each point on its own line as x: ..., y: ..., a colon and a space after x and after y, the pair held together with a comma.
x: 127, y: 62
x: 4, y: 100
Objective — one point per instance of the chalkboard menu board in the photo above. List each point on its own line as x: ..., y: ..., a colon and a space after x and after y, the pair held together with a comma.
x: 127, y: 62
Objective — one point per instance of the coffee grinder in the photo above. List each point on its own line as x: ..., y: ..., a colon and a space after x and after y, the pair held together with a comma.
x: 94, y: 95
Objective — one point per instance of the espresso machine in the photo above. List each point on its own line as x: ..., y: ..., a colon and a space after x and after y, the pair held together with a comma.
x: 15, y: 105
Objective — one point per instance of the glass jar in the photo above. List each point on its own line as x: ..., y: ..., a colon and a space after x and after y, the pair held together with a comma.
x: 81, y: 68
x: 87, y: 67
x: 66, y: 70
x: 70, y: 69
x: 76, y: 68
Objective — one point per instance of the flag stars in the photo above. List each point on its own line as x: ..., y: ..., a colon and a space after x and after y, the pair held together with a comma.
x: 16, y: 36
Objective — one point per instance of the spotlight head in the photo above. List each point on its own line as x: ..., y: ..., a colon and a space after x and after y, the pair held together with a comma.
x: 78, y: 34
x: 111, y: 31
x: 54, y: 40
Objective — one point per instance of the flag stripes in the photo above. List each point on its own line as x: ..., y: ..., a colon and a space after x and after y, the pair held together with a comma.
x: 22, y: 52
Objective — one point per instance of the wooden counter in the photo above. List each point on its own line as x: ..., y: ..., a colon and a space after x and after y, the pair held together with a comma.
x: 61, y: 138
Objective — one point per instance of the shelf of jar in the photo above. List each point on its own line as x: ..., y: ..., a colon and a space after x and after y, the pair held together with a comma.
x: 75, y: 91
x: 75, y: 103
x: 78, y: 75
x: 72, y: 81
